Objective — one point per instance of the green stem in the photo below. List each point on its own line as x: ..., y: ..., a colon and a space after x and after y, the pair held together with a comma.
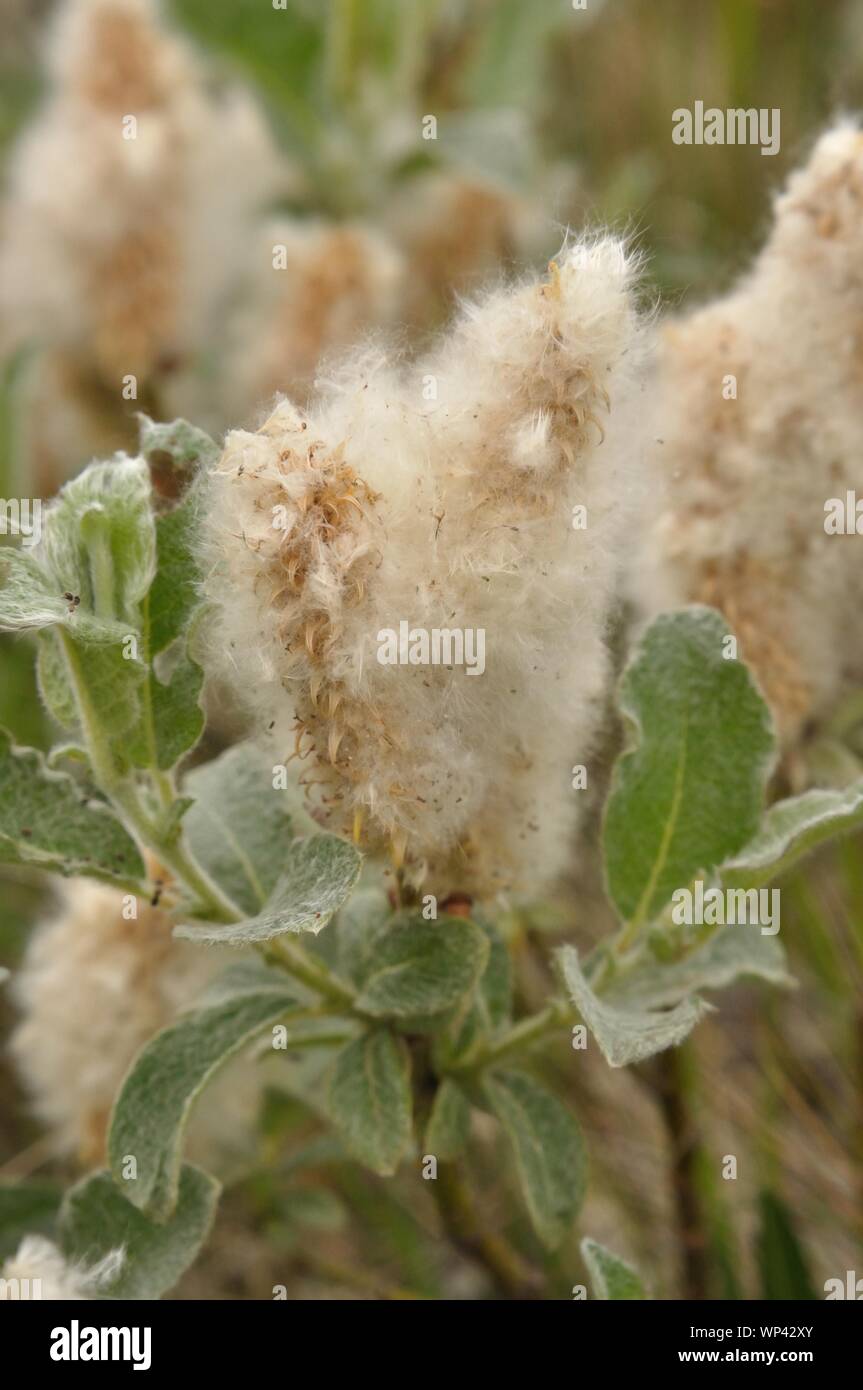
x: 337, y: 1036
x: 526, y: 1033
x: 163, y: 784
x: 608, y: 960
x: 289, y: 955
x: 124, y: 795
x: 293, y: 958
x: 176, y: 857
x: 174, y: 853
x: 674, y: 1073
x: 628, y: 935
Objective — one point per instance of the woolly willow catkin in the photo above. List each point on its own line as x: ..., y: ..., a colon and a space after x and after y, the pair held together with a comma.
x: 442, y: 495
x: 92, y: 989
x: 759, y: 424
x: 130, y: 195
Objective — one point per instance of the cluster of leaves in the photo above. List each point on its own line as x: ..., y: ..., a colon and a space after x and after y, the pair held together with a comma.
x: 419, y: 1014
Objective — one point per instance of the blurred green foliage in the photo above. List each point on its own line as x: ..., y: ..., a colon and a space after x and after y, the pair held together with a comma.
x: 599, y: 85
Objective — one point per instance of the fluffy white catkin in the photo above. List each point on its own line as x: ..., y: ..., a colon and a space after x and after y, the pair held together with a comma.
x: 759, y: 424
x: 443, y: 495
x: 92, y: 989
x: 39, y: 1271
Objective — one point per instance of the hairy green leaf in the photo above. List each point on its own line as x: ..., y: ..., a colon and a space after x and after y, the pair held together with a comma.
x: 730, y: 954
x: 177, y: 712
x: 423, y: 968
x: 487, y: 1009
x: 629, y: 1032
x: 173, y: 720
x: 99, y: 538
x: 549, y: 1150
x: 792, y: 829
x: 240, y: 826
x: 67, y: 752
x: 448, y: 1126
x: 30, y: 598
x: 176, y: 452
x: 246, y: 975
x: 175, y: 595
x: 96, y: 1221
x: 21, y: 711
x: 494, y: 996
x: 688, y: 790
x: 319, y: 873
x: 53, y: 679
x: 165, y: 1080
x: 611, y: 1277
x: 111, y: 684
x: 370, y: 1100
x: 362, y: 923
x: 46, y: 820
x: 105, y: 678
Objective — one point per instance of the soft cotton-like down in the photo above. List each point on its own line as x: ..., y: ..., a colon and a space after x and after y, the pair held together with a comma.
x: 445, y: 495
